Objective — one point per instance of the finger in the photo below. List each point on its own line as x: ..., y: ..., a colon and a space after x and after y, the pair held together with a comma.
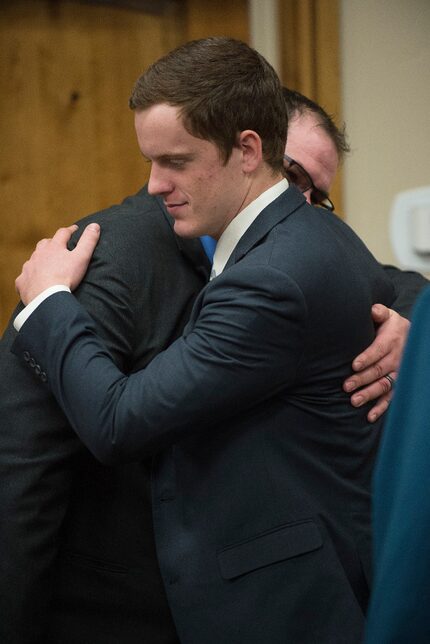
x: 389, y: 362
x: 371, y: 355
x: 42, y: 243
x: 62, y: 236
x: 373, y: 391
x: 87, y: 242
x: 380, y: 408
x: 369, y: 375
x: 380, y: 313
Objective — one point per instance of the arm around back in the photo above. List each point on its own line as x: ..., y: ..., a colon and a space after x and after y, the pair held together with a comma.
x: 225, y: 363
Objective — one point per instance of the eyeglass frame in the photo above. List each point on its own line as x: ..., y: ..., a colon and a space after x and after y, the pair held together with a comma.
x: 318, y: 197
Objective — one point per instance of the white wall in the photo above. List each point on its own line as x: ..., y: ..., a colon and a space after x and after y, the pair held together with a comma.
x: 385, y: 54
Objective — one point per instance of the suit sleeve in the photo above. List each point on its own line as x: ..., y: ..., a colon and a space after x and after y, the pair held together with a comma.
x: 408, y: 285
x: 244, y: 346
x: 37, y: 455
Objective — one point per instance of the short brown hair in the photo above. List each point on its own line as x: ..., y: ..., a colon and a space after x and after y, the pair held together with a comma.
x: 222, y: 87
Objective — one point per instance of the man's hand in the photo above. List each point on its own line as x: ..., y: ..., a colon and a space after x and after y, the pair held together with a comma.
x: 52, y: 263
x: 380, y: 360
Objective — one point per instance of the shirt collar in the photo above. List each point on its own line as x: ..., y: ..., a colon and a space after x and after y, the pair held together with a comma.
x: 238, y: 226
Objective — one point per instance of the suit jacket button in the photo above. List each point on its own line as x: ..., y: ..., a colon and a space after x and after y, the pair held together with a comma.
x: 43, y: 377
x: 37, y: 370
x: 26, y: 356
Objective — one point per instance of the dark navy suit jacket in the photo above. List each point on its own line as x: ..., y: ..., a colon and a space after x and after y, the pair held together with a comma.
x: 77, y: 552
x: 262, y: 472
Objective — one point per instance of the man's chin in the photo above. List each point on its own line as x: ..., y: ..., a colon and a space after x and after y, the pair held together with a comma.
x: 182, y: 229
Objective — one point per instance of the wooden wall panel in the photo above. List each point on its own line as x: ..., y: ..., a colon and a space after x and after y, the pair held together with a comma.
x: 218, y: 18
x: 297, y: 45
x: 67, y: 139
x: 68, y: 143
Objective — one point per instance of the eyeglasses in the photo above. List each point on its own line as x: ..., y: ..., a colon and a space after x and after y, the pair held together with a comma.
x: 297, y: 175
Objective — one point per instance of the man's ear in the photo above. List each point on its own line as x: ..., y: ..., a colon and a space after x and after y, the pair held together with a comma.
x: 252, y: 150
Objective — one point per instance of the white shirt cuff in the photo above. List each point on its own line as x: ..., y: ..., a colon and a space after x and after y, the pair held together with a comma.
x: 32, y: 306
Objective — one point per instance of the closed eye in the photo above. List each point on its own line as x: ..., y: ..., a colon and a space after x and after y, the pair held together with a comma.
x: 176, y: 162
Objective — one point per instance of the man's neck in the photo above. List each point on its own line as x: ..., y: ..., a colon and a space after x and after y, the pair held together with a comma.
x: 239, y: 224
x: 259, y: 183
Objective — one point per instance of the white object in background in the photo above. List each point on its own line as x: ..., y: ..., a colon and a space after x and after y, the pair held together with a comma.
x: 410, y: 229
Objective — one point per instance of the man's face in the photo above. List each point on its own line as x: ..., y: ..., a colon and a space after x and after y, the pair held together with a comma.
x: 309, y: 145
x: 199, y: 192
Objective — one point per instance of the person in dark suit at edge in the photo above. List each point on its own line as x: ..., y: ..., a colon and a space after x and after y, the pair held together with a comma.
x: 78, y: 561
x: 247, y: 164
x: 82, y: 559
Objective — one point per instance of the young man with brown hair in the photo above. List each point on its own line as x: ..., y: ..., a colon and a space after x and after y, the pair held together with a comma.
x: 262, y: 467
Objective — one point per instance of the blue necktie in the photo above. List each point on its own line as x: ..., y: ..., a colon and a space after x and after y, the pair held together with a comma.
x: 209, y: 245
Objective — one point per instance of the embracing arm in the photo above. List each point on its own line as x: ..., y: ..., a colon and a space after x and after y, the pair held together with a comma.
x: 382, y: 358
x: 369, y: 380
x: 227, y: 362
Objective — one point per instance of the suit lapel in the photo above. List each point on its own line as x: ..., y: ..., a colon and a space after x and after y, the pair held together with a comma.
x: 283, y: 206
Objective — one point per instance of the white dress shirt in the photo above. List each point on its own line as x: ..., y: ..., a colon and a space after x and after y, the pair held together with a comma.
x: 32, y: 306
x: 238, y: 226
